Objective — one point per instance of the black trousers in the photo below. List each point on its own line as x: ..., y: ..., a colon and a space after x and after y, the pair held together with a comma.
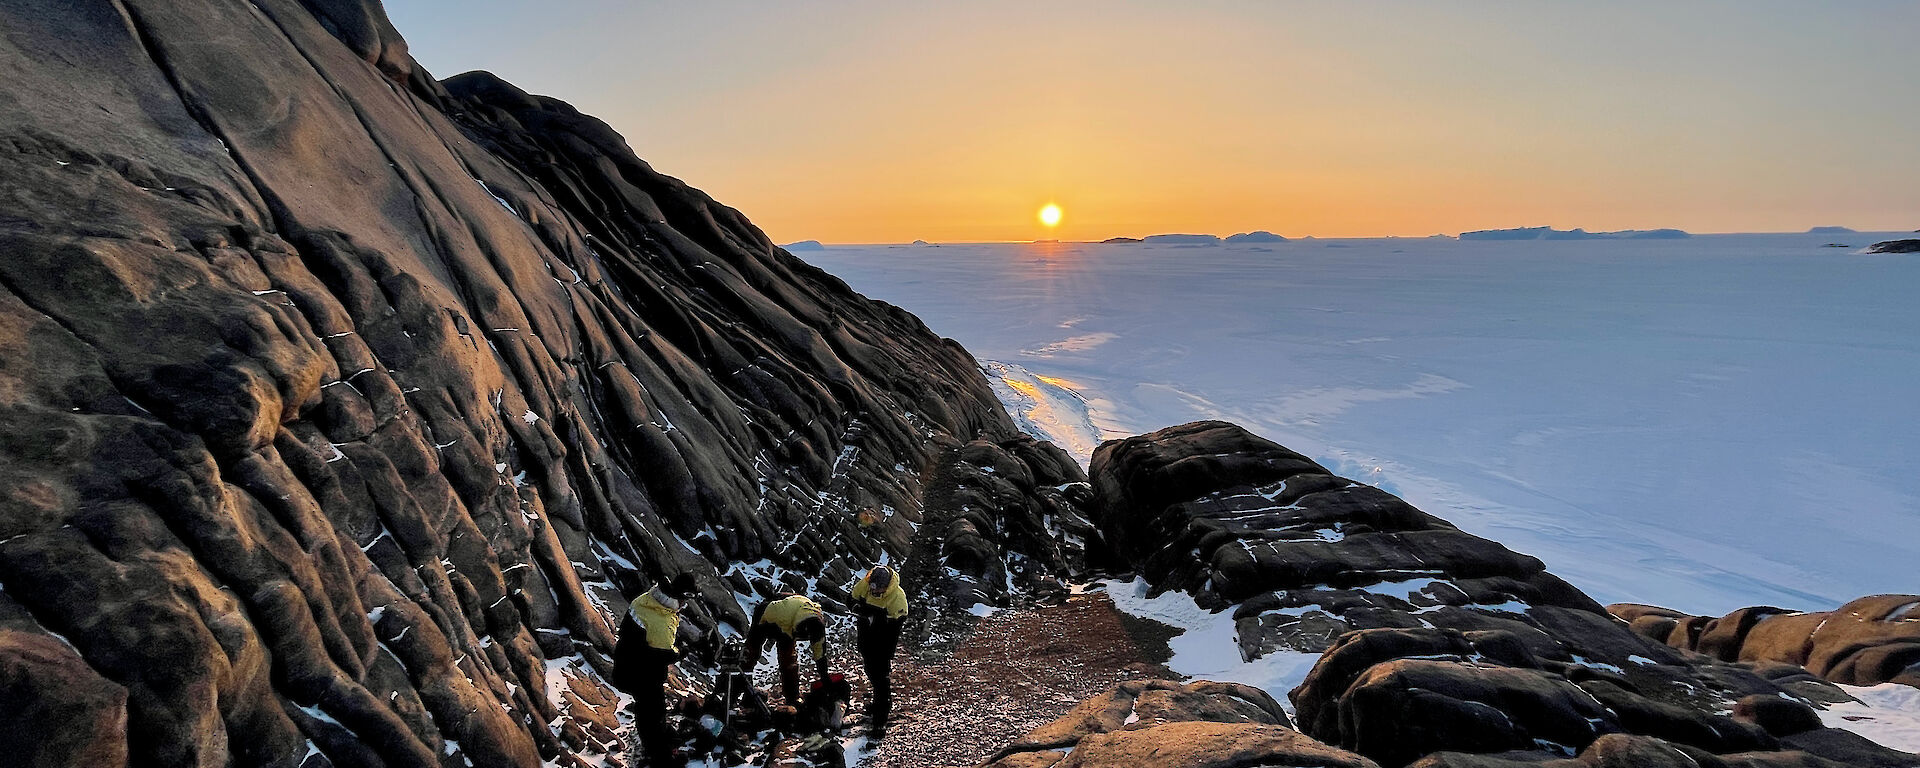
x: 641, y: 671
x: 878, y: 640
x: 650, y: 715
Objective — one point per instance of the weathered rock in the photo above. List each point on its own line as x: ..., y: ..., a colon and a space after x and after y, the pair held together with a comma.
x: 1165, y: 723
x: 1868, y: 641
x: 1778, y: 716
x: 1208, y: 745
x: 1620, y: 750
x: 1212, y: 509
x: 1000, y: 515
x: 343, y: 406
x: 1432, y: 640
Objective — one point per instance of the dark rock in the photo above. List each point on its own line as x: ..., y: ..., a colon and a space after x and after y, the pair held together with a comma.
x: 1778, y: 716
x: 1619, y: 750
x: 1849, y: 748
x: 1895, y: 246
x: 344, y: 405
x: 1432, y: 640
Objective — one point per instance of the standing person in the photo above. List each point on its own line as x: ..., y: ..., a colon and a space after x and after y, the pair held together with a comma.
x: 645, y: 650
x: 786, y: 620
x: 880, y: 608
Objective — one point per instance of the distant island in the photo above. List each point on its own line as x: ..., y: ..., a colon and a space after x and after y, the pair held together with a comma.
x: 804, y: 245
x: 1832, y: 231
x: 1549, y: 233
x: 1257, y: 236
x: 1175, y: 239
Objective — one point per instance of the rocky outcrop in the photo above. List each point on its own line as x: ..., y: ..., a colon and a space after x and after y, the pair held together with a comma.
x: 344, y: 407
x: 1431, y: 640
x: 1895, y: 246
x: 1155, y: 723
x: 1618, y: 750
x: 1869, y: 641
x: 1000, y: 517
x: 1211, y: 509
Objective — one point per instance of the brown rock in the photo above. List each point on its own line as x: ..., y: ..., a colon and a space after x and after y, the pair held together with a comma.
x: 1207, y: 745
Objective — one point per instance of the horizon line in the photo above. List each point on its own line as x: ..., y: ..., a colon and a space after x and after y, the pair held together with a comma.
x: 1289, y: 238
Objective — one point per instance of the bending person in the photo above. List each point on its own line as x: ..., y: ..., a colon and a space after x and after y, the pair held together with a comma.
x: 786, y: 621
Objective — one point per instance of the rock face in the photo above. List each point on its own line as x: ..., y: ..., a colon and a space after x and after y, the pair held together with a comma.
x: 1869, y: 641
x: 344, y: 407
x: 1431, y: 640
x: 1000, y: 516
x: 1159, y: 723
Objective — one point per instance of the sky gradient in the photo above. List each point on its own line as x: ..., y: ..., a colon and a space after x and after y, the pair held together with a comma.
x: 889, y: 122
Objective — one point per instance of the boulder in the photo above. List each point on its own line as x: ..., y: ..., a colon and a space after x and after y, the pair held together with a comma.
x: 1166, y: 723
x: 1868, y: 641
x: 1436, y: 645
x: 1208, y: 745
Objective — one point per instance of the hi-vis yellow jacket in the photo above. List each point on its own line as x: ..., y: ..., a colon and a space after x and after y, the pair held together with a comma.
x: 786, y: 614
x: 661, y: 623
x: 893, y: 598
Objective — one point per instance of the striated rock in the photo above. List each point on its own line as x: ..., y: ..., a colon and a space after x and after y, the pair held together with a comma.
x: 1432, y: 640
x: 54, y: 709
x: 1165, y: 723
x: 1868, y: 641
x: 344, y: 407
x: 1001, y: 515
x: 1214, y: 510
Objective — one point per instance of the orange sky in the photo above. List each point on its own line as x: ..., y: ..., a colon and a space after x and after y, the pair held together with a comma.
x: 886, y: 122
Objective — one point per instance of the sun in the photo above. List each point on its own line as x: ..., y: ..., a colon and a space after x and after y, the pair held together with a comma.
x: 1050, y: 215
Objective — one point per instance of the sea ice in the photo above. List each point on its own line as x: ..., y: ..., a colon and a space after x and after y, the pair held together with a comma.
x: 1707, y: 423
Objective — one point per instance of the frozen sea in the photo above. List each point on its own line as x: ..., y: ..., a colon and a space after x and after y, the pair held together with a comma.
x: 1705, y: 424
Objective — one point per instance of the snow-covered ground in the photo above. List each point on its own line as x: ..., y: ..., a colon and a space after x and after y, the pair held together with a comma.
x: 1207, y: 648
x: 1888, y: 713
x: 1703, y: 424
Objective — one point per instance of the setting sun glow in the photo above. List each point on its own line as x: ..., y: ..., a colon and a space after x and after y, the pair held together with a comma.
x: 1050, y: 215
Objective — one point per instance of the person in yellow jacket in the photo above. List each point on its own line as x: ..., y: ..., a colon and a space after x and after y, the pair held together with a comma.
x: 880, y: 608
x: 785, y: 621
x: 645, y: 650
